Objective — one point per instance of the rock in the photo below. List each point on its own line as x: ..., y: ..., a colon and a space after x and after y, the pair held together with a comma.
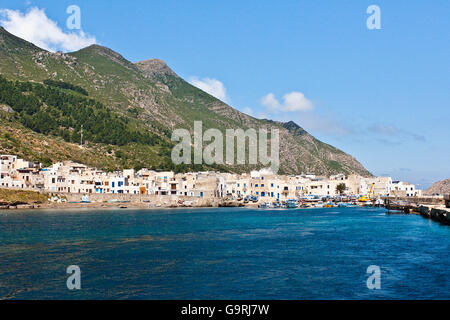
x: 441, y: 216
x: 6, y: 108
x: 440, y: 187
x: 25, y: 206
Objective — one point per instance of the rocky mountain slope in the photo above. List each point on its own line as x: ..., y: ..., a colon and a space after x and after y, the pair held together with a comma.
x: 441, y: 187
x: 149, y: 94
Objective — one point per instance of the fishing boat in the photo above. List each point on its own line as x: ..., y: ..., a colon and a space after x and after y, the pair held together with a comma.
x: 329, y: 204
x: 379, y: 203
x: 318, y: 205
x: 85, y: 199
x: 291, y: 203
x: 276, y: 204
x: 368, y: 204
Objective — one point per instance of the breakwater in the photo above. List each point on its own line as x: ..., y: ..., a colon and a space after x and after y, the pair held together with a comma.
x: 415, y: 200
x: 434, y: 212
x: 440, y: 215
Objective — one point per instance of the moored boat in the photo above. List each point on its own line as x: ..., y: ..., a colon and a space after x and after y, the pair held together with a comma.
x: 291, y: 203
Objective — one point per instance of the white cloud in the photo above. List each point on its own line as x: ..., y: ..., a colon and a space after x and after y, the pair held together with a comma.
x: 262, y: 115
x: 293, y: 101
x: 393, y: 131
x: 35, y: 27
x: 328, y: 124
x: 248, y: 111
x: 270, y: 102
x: 212, y: 86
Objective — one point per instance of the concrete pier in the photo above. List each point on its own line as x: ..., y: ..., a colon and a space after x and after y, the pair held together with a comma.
x: 430, y: 209
x: 441, y: 215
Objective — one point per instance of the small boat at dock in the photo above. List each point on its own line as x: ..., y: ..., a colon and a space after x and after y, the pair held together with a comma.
x: 291, y: 203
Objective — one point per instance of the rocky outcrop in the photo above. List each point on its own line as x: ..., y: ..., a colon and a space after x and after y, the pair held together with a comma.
x: 440, y: 187
x: 154, y: 67
x: 6, y: 108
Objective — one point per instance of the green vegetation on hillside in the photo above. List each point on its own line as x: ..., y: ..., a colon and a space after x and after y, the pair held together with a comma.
x: 50, y: 110
x: 65, y: 85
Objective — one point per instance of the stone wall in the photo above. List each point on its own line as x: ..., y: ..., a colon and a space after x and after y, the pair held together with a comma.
x: 418, y: 200
x: 137, y: 198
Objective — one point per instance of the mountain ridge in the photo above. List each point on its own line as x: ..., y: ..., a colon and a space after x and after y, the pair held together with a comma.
x: 149, y: 93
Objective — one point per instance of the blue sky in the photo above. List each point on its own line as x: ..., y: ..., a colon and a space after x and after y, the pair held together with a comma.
x: 381, y: 95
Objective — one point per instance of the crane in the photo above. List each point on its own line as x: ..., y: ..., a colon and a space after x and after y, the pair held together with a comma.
x: 364, y: 198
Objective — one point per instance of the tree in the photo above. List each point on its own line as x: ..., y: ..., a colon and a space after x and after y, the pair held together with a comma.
x: 340, y: 188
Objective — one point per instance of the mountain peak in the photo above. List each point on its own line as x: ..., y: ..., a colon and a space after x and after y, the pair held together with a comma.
x: 101, y: 50
x: 155, y: 67
x: 294, y: 128
x: 98, y: 50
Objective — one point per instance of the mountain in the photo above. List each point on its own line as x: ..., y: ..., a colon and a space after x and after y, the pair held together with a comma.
x: 146, y: 96
x: 441, y: 187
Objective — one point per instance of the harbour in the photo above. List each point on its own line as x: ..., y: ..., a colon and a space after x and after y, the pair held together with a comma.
x: 222, y: 253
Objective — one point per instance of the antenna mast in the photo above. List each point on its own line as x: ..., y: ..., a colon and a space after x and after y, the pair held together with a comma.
x: 81, y: 143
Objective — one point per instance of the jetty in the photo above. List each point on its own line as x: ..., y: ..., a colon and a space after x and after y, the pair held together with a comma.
x: 429, y: 208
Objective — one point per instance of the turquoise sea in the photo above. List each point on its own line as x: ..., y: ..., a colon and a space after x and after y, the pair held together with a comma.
x: 222, y: 253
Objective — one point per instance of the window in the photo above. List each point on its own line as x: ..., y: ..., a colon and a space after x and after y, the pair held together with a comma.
x: 256, y: 185
x: 271, y: 185
x: 262, y: 186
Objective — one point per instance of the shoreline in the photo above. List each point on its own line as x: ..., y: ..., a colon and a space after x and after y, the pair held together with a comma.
x: 107, y: 205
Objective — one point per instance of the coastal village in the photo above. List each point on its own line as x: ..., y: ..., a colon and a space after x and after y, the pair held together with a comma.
x: 75, y: 183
